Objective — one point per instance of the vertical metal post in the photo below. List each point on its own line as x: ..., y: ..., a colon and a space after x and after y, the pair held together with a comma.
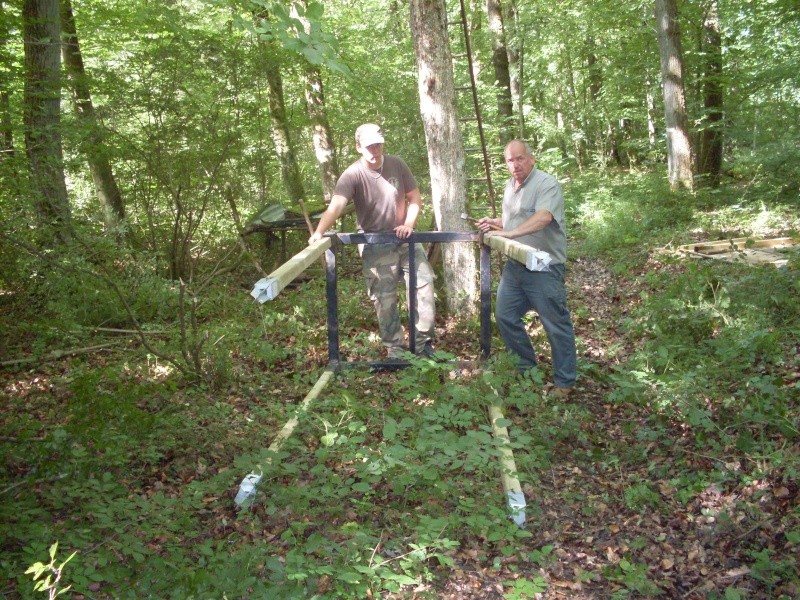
x: 486, y: 300
x: 411, y: 290
x: 333, y: 306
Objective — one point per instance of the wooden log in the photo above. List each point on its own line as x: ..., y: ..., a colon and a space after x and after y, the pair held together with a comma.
x: 288, y: 428
x: 533, y: 259
x: 247, y: 488
x: 272, y: 285
x: 508, y: 468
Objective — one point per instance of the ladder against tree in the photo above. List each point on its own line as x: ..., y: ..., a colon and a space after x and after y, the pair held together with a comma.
x: 478, y: 167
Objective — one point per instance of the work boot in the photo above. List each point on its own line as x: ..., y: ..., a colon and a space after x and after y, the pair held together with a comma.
x: 560, y: 393
x: 426, y: 351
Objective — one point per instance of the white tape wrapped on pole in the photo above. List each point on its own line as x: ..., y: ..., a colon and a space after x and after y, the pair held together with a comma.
x: 247, y: 488
x: 508, y: 468
x: 269, y: 287
x: 533, y: 259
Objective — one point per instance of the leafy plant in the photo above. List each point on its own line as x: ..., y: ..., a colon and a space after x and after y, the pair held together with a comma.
x: 48, y: 576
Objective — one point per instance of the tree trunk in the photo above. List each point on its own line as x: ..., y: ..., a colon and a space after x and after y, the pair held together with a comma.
x: 290, y: 172
x: 6, y: 129
x: 445, y: 148
x: 576, y: 131
x: 516, y: 54
x: 104, y: 182
x: 42, y: 108
x: 710, y: 159
x: 322, y: 137
x: 502, y: 75
x: 679, y: 147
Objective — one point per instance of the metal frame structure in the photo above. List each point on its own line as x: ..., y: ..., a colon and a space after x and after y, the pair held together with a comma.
x: 337, y: 239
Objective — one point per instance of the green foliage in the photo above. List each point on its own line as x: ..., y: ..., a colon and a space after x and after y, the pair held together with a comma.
x: 525, y: 589
x: 634, y: 577
x: 623, y: 216
x: 52, y: 574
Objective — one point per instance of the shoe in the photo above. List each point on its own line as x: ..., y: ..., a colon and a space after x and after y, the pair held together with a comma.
x: 426, y: 351
x: 561, y: 393
x: 395, y: 354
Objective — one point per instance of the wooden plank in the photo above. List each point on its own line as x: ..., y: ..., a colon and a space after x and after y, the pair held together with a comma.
x: 269, y: 287
x: 721, y: 246
x: 508, y: 468
x: 533, y: 259
x: 247, y: 489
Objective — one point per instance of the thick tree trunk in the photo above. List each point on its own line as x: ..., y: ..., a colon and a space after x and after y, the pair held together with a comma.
x: 42, y: 108
x: 445, y: 148
x: 502, y: 75
x: 710, y: 159
x: 290, y: 172
x: 679, y: 147
x: 104, y: 182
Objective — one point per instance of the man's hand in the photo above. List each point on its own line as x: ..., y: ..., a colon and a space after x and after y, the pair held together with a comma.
x: 487, y: 225
x: 403, y: 231
x: 315, y: 237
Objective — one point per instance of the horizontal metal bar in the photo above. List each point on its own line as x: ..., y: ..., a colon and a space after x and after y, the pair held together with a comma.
x: 417, y: 237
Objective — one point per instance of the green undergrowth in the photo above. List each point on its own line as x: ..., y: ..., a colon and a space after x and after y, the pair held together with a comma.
x: 391, y: 482
x: 379, y: 487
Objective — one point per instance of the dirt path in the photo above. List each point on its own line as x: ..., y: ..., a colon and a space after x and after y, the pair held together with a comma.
x: 626, y: 509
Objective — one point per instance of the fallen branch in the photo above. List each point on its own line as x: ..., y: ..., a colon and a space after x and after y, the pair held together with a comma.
x: 57, y: 355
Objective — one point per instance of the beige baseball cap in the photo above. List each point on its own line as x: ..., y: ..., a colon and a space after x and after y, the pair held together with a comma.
x: 368, y: 134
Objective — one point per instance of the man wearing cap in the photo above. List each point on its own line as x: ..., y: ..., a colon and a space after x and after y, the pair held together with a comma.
x: 386, y: 198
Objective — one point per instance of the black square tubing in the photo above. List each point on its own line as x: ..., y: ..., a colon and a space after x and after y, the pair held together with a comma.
x: 334, y: 356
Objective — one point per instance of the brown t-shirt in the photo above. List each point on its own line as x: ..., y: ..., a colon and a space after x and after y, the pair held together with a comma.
x: 379, y: 196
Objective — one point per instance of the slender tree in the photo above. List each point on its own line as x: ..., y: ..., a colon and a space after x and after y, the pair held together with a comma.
x: 445, y: 147
x: 6, y: 129
x: 515, y: 49
x: 42, y: 108
x: 94, y: 144
x: 321, y: 134
x: 679, y: 147
x: 281, y: 133
x: 502, y: 75
x: 710, y: 156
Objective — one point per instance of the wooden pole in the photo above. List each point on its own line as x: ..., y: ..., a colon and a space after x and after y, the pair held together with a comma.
x: 508, y: 467
x: 269, y: 287
x: 247, y: 489
x: 533, y: 259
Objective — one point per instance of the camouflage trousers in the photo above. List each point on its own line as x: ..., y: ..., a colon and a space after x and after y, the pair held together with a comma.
x: 383, y: 265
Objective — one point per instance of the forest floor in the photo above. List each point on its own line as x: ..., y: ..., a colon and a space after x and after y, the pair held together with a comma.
x: 621, y: 511
x: 587, y: 511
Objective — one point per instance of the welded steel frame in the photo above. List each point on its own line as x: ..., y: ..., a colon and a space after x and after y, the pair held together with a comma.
x: 439, y: 237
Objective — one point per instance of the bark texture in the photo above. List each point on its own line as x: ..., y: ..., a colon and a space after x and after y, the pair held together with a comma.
x: 445, y: 148
x: 679, y: 147
x: 94, y: 143
x: 42, y: 109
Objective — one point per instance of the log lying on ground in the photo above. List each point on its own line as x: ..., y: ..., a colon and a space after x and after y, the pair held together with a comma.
x: 247, y: 488
x: 533, y: 259
x: 508, y: 468
x: 269, y: 287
